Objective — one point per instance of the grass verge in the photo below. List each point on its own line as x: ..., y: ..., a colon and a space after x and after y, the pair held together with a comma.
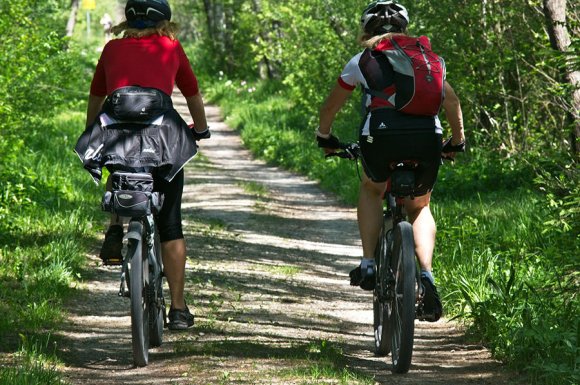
x: 45, y: 230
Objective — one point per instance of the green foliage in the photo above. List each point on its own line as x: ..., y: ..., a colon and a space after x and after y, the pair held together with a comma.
x: 43, y: 237
x: 33, y: 60
x: 34, y: 364
x: 508, y: 77
x: 508, y: 274
x: 45, y: 215
x: 508, y: 212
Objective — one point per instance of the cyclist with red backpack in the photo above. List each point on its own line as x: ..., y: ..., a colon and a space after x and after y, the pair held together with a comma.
x: 404, y: 88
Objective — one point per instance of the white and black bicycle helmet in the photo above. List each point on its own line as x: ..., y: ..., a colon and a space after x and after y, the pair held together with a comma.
x: 147, y: 13
x: 384, y: 16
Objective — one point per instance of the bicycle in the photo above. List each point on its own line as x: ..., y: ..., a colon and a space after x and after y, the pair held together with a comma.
x: 398, y: 290
x: 132, y: 196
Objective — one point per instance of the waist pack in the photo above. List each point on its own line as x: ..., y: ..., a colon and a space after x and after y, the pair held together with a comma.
x: 136, y: 103
x: 132, y: 195
x: 418, y: 76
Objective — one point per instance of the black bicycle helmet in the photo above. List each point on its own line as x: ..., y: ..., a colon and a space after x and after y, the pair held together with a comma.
x: 147, y: 13
x: 384, y: 16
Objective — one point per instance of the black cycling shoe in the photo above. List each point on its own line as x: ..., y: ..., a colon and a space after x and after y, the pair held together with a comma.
x: 430, y: 308
x: 180, y: 319
x: 365, y: 281
x: 112, y: 246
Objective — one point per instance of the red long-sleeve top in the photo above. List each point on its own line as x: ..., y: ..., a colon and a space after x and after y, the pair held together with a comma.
x: 153, y: 61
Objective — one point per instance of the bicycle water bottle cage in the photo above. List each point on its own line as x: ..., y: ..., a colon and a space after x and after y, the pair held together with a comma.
x: 132, y: 195
x: 403, y: 179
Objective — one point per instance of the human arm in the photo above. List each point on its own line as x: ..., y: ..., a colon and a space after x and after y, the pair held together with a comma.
x: 454, y: 116
x: 93, y: 107
x: 333, y: 103
x: 197, y: 112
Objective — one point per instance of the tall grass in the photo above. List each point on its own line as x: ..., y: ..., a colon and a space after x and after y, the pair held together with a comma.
x: 35, y: 363
x: 504, y: 271
x: 45, y: 229
x: 504, y: 265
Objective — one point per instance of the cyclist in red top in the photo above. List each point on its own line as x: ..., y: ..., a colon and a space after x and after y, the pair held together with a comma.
x: 149, y: 55
x: 402, y: 136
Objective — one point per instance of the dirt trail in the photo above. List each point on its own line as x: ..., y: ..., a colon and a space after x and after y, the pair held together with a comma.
x: 269, y: 255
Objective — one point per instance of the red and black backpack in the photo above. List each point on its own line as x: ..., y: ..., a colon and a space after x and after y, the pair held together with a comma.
x: 403, y: 73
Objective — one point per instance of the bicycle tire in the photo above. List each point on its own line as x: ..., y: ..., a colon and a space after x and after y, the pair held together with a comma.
x: 403, y: 312
x: 156, y: 300
x: 139, y: 275
x: 382, y: 307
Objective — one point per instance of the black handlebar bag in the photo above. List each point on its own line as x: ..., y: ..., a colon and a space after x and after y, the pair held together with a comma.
x: 135, y: 103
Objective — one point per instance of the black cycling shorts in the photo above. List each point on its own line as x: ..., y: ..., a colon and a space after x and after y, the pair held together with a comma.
x: 423, y: 147
x: 169, y: 218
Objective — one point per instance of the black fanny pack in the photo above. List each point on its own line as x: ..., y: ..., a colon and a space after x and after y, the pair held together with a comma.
x: 136, y: 103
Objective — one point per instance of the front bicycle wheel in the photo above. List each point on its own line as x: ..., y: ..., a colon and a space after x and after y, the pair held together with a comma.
x: 156, y: 300
x: 139, y: 277
x: 382, y: 306
x: 402, y: 320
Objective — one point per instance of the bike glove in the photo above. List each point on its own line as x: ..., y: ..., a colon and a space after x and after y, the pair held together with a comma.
x: 201, y: 135
x: 448, y: 147
x: 330, y: 142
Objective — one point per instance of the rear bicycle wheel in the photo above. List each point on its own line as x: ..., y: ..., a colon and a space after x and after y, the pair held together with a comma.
x: 402, y: 320
x: 382, y: 307
x: 139, y: 277
x: 156, y: 299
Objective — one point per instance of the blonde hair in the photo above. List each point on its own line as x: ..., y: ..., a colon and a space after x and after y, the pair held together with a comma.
x: 371, y: 42
x: 163, y: 28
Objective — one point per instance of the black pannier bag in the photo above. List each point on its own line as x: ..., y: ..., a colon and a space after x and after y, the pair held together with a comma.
x: 132, y: 195
x: 136, y: 103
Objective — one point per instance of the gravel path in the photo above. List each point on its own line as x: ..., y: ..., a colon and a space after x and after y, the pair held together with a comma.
x: 269, y: 255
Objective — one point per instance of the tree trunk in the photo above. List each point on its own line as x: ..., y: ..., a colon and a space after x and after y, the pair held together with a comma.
x: 555, y: 12
x: 209, y: 18
x: 266, y: 69
x: 70, y: 25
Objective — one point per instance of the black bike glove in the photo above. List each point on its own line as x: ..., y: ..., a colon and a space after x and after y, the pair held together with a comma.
x: 448, y: 147
x: 201, y: 135
x: 330, y: 142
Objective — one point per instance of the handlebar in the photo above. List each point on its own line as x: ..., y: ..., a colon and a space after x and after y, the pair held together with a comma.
x: 349, y: 151
x: 352, y: 151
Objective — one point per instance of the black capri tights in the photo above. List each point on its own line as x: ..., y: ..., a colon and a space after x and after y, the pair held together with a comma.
x: 169, y: 219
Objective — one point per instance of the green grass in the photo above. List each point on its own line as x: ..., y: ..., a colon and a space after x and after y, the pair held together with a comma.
x: 43, y: 238
x: 512, y: 280
x: 35, y: 363
x: 254, y: 188
x: 286, y: 270
x: 316, y: 362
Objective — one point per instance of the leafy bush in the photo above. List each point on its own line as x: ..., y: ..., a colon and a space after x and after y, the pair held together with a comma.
x: 45, y: 219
